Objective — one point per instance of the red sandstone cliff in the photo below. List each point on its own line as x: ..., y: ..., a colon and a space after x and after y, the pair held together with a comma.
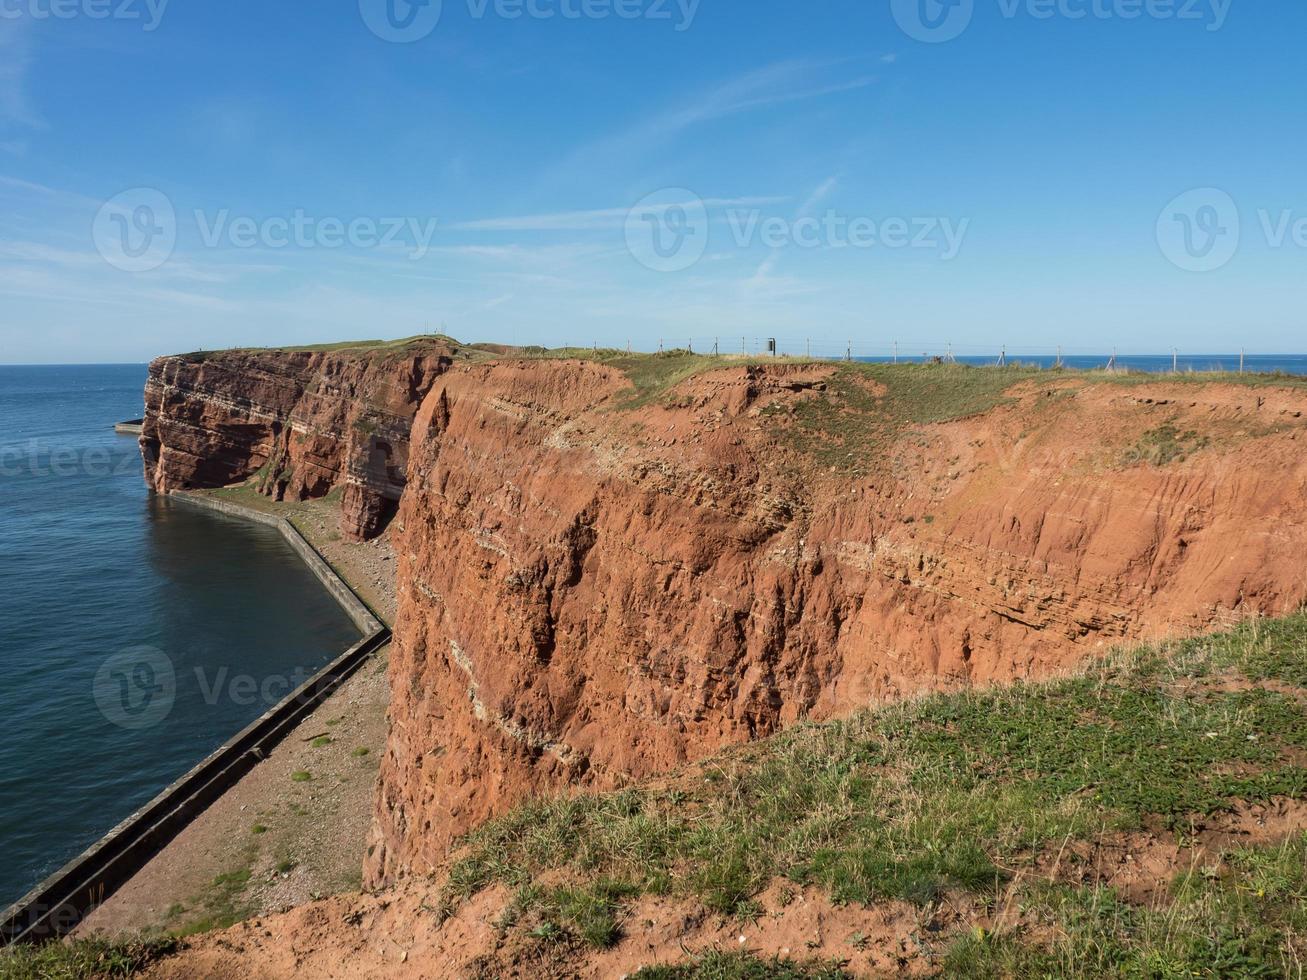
x: 304, y: 423
x: 592, y: 591
x: 596, y: 586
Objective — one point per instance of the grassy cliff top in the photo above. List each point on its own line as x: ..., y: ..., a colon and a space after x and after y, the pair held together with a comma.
x: 987, y: 801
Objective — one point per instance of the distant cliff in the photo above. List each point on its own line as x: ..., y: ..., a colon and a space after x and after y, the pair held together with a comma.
x: 610, y: 565
x: 301, y: 423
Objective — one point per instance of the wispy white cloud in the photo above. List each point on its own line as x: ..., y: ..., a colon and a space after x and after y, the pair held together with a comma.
x: 15, y: 61
x: 794, y: 80
x: 764, y: 277
x: 819, y: 194
x: 597, y: 220
x: 27, y: 190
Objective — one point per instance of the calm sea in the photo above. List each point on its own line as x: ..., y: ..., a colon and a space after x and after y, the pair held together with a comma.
x: 136, y: 635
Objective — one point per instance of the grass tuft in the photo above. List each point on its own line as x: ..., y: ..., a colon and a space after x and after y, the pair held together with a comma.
x: 940, y: 795
x: 86, y: 958
x: 742, y: 966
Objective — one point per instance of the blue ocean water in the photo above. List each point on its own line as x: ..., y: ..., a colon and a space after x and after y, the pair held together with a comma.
x: 136, y: 635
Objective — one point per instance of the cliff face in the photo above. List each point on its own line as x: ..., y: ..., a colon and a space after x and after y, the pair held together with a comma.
x: 599, y: 581
x: 304, y: 423
x: 595, y: 587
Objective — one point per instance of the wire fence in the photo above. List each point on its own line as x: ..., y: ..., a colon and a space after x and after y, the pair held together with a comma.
x: 945, y: 352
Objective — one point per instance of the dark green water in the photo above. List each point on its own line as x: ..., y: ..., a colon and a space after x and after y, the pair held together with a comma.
x: 136, y: 635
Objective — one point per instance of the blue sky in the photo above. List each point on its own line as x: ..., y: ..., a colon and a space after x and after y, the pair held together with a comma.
x: 1074, y: 172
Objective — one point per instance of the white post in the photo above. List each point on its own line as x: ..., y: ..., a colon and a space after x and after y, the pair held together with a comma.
x: 896, y: 352
x: 1241, y: 360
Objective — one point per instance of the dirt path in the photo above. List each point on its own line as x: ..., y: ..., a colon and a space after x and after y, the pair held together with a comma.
x: 295, y: 828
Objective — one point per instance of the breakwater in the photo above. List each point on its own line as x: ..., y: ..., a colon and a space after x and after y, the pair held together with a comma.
x: 60, y: 902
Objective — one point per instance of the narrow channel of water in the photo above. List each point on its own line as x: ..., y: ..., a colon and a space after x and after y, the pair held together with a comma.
x: 136, y: 636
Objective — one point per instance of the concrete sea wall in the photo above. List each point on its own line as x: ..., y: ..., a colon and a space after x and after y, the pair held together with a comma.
x: 59, y: 903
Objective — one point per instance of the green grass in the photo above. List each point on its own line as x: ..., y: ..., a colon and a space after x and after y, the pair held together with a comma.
x: 852, y: 423
x: 1164, y: 445
x: 301, y: 776
x: 1245, y: 918
x: 87, y: 958
x: 945, y: 794
x: 223, y: 903
x: 322, y: 741
x: 360, y: 752
x: 652, y: 376
x: 741, y: 966
x: 351, y: 346
x: 591, y: 914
